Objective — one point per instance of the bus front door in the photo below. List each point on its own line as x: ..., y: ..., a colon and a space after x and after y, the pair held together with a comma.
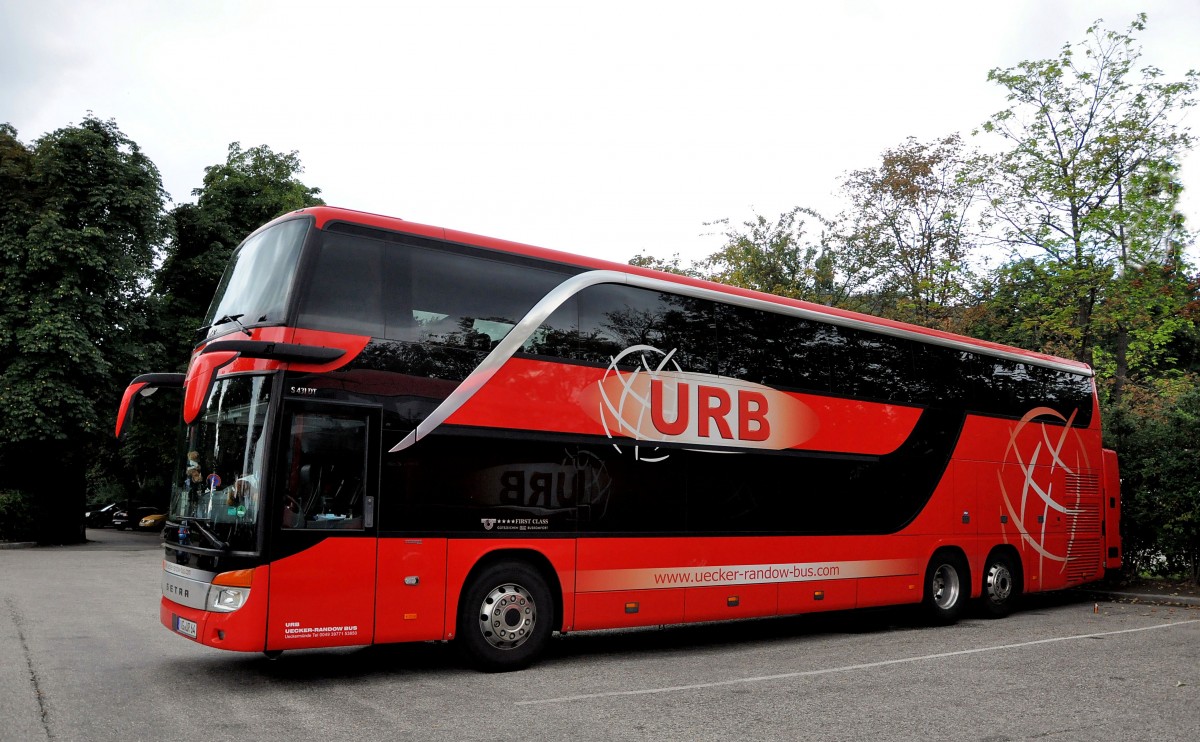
x: 323, y: 541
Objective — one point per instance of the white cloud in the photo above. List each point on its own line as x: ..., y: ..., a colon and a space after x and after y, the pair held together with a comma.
x: 608, y: 129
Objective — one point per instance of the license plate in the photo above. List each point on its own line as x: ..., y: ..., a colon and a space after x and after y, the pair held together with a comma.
x: 185, y: 627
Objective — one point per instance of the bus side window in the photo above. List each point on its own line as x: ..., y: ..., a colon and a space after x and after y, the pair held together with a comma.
x: 345, y: 287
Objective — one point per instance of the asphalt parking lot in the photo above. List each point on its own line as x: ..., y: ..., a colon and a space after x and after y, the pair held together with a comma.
x: 82, y: 657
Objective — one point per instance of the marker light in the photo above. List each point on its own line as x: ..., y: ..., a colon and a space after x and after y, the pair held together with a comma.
x: 236, y: 578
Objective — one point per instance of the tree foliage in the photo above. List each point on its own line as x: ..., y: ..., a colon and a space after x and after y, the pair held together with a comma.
x: 1157, y: 430
x: 909, y: 222
x: 1084, y: 194
x: 252, y: 187
x: 76, y: 255
x: 1085, y: 184
x: 783, y: 257
x: 673, y: 265
x: 82, y: 228
x: 239, y: 195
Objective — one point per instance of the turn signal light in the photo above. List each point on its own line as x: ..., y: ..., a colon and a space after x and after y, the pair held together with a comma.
x: 236, y: 578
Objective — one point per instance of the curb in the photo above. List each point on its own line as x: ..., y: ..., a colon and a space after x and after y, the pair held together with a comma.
x: 1118, y: 596
x: 17, y: 544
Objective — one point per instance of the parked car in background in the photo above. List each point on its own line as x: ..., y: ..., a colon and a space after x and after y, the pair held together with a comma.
x: 152, y: 522
x: 131, y: 517
x: 101, y: 516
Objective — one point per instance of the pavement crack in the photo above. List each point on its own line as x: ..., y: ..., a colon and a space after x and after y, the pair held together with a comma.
x: 19, y: 622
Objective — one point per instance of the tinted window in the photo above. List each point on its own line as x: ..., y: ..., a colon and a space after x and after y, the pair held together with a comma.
x: 469, y: 301
x: 613, y: 318
x: 345, y: 287
x: 558, y: 335
x: 426, y: 293
x: 870, y: 365
x: 774, y: 349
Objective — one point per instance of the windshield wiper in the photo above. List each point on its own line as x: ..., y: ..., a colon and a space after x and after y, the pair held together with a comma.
x: 216, y: 542
x: 234, y: 318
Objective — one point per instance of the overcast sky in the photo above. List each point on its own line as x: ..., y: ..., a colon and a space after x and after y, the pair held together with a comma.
x: 606, y: 129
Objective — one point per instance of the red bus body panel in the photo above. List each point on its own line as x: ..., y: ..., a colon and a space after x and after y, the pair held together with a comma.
x: 410, y: 590
x: 243, y: 630
x: 1112, y: 510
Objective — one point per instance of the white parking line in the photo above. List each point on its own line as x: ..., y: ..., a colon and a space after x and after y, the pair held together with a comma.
x: 844, y: 668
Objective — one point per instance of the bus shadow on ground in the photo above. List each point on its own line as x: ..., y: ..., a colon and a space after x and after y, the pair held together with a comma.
x: 433, y: 659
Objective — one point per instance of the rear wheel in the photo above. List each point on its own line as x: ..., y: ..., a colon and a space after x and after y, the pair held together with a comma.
x: 505, y: 617
x: 1001, y: 586
x: 946, y: 588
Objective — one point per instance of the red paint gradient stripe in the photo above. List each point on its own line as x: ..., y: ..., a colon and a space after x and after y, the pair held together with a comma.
x: 526, y: 394
x: 606, y: 580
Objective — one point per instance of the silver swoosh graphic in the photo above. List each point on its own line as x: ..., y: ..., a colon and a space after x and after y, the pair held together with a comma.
x: 524, y: 329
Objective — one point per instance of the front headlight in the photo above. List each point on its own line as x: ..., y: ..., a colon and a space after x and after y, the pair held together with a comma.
x: 227, y: 599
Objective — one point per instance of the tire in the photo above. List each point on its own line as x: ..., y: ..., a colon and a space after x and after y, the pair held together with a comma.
x: 1001, y: 586
x: 505, y: 617
x: 947, y: 588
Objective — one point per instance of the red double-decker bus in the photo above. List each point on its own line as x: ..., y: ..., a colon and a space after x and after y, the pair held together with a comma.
x: 398, y: 432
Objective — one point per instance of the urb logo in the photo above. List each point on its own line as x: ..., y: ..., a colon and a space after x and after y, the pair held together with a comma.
x: 645, y: 394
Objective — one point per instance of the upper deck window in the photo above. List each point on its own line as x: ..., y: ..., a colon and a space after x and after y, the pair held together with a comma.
x: 406, y: 289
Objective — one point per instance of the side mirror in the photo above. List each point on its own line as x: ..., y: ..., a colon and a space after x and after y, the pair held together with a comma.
x: 143, y: 386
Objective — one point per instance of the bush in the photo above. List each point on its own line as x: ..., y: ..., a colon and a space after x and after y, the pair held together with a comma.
x: 1156, y: 434
x: 16, y: 516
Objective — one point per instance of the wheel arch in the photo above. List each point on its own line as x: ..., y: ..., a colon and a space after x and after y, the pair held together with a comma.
x: 959, y: 553
x: 532, y: 557
x: 956, y: 557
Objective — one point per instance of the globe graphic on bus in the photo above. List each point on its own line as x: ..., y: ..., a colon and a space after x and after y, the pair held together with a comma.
x: 625, y: 412
x: 1036, y: 456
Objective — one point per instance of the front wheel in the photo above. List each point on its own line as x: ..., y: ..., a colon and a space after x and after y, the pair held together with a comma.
x: 946, y: 588
x: 1001, y: 587
x: 505, y: 617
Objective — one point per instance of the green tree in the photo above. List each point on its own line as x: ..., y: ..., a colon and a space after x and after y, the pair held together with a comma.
x: 909, y: 219
x: 1080, y: 187
x: 83, y: 217
x: 674, y: 265
x: 781, y: 257
x: 249, y: 189
x: 1157, y: 430
x: 1145, y: 306
x: 252, y: 187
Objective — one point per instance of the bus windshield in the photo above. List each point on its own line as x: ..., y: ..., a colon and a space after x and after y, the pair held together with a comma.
x: 254, y: 288
x: 219, y: 488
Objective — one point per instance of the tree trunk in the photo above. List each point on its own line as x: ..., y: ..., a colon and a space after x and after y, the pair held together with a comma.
x: 1122, y: 353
